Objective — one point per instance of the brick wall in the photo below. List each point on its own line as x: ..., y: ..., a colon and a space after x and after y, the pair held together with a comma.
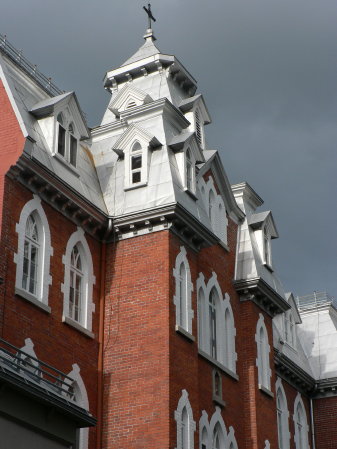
x: 56, y: 343
x: 11, y: 141
x: 325, y: 413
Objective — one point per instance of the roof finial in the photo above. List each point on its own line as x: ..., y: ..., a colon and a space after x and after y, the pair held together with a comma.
x: 149, y: 13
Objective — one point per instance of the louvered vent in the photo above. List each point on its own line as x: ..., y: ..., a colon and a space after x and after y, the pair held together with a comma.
x: 198, y: 127
x: 131, y: 104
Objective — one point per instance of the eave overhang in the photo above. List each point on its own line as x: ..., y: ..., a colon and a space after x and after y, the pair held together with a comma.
x: 293, y: 374
x: 258, y: 291
x: 52, y: 189
x: 173, y: 217
x: 326, y: 388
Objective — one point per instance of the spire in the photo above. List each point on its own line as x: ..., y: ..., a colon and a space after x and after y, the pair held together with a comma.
x: 148, y: 48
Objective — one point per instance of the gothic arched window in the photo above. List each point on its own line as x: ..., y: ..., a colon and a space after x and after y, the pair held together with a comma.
x: 185, y: 424
x: 136, y: 163
x: 263, y: 349
x: 189, y: 171
x: 31, y: 256
x: 183, y: 294
x: 213, y: 301
x: 76, y: 294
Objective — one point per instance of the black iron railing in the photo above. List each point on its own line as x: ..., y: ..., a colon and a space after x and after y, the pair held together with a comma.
x: 31, y: 69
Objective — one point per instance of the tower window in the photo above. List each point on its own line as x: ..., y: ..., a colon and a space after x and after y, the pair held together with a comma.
x: 198, y: 127
x: 67, y: 142
x: 136, y: 163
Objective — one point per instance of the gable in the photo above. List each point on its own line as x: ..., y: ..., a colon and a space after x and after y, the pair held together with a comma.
x: 128, y: 97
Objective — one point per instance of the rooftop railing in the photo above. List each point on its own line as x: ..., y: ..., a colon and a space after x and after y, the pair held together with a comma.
x: 17, y: 362
x: 30, y: 69
x: 314, y: 301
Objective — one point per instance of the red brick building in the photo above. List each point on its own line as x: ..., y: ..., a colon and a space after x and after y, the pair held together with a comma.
x: 139, y: 296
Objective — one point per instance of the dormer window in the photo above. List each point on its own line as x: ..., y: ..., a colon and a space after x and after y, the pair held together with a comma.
x: 67, y: 142
x: 136, y: 164
x: 266, y: 247
x: 61, y: 144
x: 189, y: 171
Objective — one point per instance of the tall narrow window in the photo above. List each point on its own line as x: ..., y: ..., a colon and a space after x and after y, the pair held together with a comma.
x: 213, y: 323
x: 76, y: 286
x: 31, y: 256
x: 228, y: 339
x: 182, y: 298
x: 266, y: 247
x: 136, y: 163
x: 185, y: 424
x: 72, y: 145
x: 189, y: 171
x: 61, y: 144
x: 201, y: 319
x: 204, y: 438
x: 263, y: 349
x: 184, y: 429
x: 279, y: 408
x: 301, y: 426
x: 183, y: 292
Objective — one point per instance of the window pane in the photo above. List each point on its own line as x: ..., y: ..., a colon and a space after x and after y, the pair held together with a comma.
x: 73, y: 150
x: 136, y: 162
x: 136, y: 177
x: 62, y: 141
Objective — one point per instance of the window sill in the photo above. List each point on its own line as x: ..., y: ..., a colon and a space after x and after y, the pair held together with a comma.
x: 77, y: 326
x: 67, y: 164
x: 219, y: 401
x: 135, y: 186
x: 191, y: 194
x: 224, y: 245
x: 269, y: 267
x: 184, y: 333
x: 266, y: 391
x: 30, y: 298
x: 223, y: 368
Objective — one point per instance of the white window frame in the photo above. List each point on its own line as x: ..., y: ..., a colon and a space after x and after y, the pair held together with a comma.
x: 282, y: 416
x: 266, y: 246
x: 136, y: 153
x: 301, y: 438
x: 44, y: 279
x: 199, y: 127
x: 184, y: 404
x: 263, y: 352
x: 204, y: 431
x: 183, y: 298
x: 70, y: 133
x: 225, y: 351
x: 290, y: 329
x: 217, y: 422
x: 81, y: 399
x: 88, y: 307
x: 216, y: 209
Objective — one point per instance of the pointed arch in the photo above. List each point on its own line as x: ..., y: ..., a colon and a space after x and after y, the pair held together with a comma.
x: 218, y: 432
x: 183, y: 291
x: 300, y: 424
x: 282, y: 416
x: 204, y: 432
x: 78, y: 283
x: 81, y: 399
x: 232, y: 444
x: 33, y: 255
x: 263, y: 350
x: 230, y: 355
x: 202, y: 316
x: 185, y: 424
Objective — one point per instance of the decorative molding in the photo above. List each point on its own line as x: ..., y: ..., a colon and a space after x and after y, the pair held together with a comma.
x: 258, y: 291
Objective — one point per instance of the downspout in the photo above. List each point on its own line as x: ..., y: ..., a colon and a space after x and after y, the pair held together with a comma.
x: 101, y: 338
x: 313, y: 445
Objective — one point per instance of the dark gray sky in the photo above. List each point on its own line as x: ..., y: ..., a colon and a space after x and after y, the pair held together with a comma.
x: 268, y: 72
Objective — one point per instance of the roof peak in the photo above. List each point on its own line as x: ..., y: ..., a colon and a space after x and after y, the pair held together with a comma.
x: 146, y: 50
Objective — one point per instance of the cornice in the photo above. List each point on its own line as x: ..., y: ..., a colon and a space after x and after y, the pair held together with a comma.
x: 54, y: 191
x: 258, y: 291
x: 293, y: 374
x: 326, y: 388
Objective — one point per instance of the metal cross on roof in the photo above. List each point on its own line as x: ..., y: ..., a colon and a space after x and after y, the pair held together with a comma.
x: 149, y: 13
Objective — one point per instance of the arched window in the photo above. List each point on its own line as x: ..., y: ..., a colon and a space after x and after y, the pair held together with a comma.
x: 300, y: 423
x: 202, y: 314
x: 212, y: 307
x: 72, y: 145
x: 76, y: 293
x: 263, y: 349
x: 228, y: 338
x: 61, y: 143
x: 185, y: 424
x: 136, y: 163
x: 78, y: 282
x: 204, y: 431
x: 282, y: 416
x: 266, y: 247
x: 183, y: 293
x: 189, y: 171
x: 211, y: 207
x: 33, y: 256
